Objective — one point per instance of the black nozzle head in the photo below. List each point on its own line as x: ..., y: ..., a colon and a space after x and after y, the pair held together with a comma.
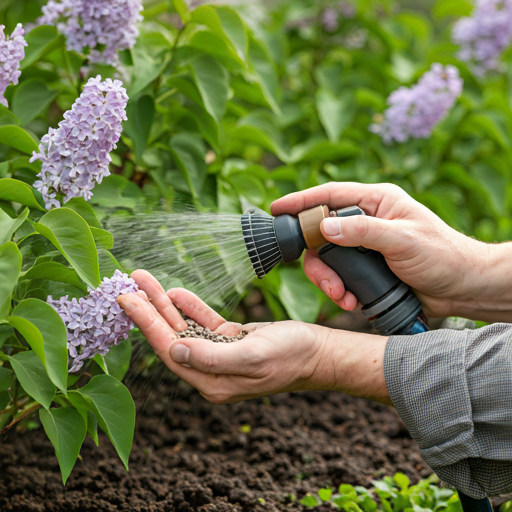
x: 270, y: 240
x: 261, y: 241
x: 289, y: 237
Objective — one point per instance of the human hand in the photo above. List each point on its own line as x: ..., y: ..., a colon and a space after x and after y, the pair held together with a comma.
x: 272, y: 358
x: 434, y: 259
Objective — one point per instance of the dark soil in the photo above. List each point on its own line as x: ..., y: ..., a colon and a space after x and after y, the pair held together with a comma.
x: 190, y: 455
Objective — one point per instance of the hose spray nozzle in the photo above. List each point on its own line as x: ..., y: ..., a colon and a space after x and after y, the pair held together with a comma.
x: 388, y: 303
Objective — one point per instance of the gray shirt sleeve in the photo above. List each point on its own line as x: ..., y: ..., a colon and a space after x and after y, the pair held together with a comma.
x: 453, y: 391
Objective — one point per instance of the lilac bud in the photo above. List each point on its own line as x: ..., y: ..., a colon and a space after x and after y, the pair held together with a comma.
x: 483, y: 36
x: 95, y: 323
x: 103, y: 27
x: 414, y: 112
x: 76, y: 155
x: 12, y: 53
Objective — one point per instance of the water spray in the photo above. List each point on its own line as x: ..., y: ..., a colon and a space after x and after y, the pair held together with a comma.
x: 388, y: 303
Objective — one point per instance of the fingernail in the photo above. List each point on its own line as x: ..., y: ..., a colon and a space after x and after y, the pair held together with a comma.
x: 127, y: 303
x: 331, y: 227
x: 180, y: 353
x: 325, y: 286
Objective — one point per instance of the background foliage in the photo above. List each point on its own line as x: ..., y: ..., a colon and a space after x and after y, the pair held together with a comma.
x: 229, y: 107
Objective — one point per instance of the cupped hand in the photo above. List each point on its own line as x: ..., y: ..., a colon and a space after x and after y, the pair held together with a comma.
x: 272, y: 358
x: 438, y: 262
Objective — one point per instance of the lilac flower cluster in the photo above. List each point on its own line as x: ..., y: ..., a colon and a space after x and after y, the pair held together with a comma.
x: 484, y: 35
x: 414, y: 112
x: 76, y: 155
x: 331, y: 16
x: 95, y: 323
x: 102, y: 26
x: 11, y: 54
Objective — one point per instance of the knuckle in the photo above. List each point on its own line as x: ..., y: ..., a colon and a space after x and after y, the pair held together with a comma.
x: 361, y: 226
x: 217, y: 397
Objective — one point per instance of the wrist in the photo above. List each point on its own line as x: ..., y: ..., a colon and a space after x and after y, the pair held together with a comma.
x: 487, y: 294
x: 352, y: 363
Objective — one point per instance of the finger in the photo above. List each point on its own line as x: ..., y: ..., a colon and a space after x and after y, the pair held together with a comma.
x: 323, y: 276
x: 328, y: 281
x: 142, y: 293
x: 229, y: 329
x: 195, y: 308
x: 160, y: 336
x: 381, y: 235
x: 240, y: 358
x: 338, y: 195
x: 159, y: 299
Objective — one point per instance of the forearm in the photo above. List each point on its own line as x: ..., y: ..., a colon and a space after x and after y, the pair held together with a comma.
x: 487, y: 285
x: 353, y: 363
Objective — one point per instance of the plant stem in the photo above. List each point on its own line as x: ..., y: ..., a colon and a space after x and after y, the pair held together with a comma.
x: 27, y: 412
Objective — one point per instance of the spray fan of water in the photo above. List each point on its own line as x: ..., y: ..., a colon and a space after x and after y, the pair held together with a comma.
x: 203, y: 252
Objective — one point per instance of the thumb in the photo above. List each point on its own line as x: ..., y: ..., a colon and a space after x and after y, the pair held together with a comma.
x: 362, y: 230
x: 238, y: 358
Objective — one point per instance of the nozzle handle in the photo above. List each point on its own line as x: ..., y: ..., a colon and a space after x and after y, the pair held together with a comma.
x: 388, y: 303
x: 364, y: 272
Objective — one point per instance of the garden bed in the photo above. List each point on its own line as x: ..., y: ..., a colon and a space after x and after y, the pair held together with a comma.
x: 190, y: 455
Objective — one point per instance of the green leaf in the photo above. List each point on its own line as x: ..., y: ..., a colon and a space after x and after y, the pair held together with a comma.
x: 115, y: 410
x: 5, y: 398
x: 457, y: 8
x: 31, y: 98
x: 147, y: 65
x: 212, y: 80
x: 226, y: 24
x: 248, y: 186
x: 33, y: 377
x: 141, y: 113
x: 260, y: 128
x: 40, y: 41
x: 188, y: 152
x: 5, y: 379
x: 301, y: 299
x: 118, y: 359
x: 72, y: 236
x: 182, y: 10
x: 265, y: 74
x: 10, y: 268
x: 85, y: 210
x: 17, y: 138
x: 54, y: 271
x: 7, y: 117
x: 108, y: 264
x: 336, y: 112
x: 309, y: 501
x: 82, y: 405
x: 8, y: 225
x: 19, y: 192
x: 402, y: 481
x: 103, y: 238
x: 325, y: 494
x: 322, y: 150
x: 49, y: 341
x: 117, y: 192
x: 66, y: 430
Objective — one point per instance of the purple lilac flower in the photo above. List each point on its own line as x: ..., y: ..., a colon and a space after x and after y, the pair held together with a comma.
x: 102, y: 26
x: 483, y: 36
x: 332, y: 15
x: 95, y: 323
x: 76, y: 155
x: 11, y: 54
x: 414, y: 112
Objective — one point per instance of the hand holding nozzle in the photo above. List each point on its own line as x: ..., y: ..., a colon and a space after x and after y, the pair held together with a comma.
x: 440, y: 264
